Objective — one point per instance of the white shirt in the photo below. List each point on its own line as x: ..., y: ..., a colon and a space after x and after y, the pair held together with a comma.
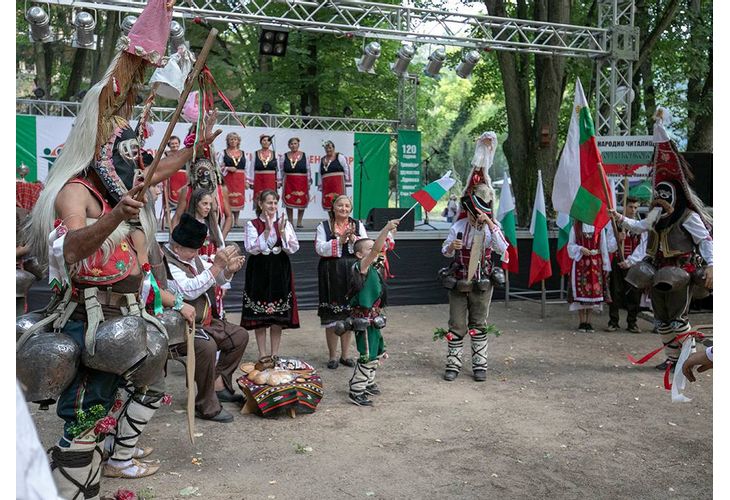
x: 251, y: 171
x: 264, y: 243
x: 694, y: 226
x: 492, y: 239
x: 606, y: 243
x: 345, y: 166
x: 192, y: 288
x: 281, y: 163
x: 332, y: 248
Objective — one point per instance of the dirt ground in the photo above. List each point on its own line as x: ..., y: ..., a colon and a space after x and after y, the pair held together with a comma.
x: 562, y: 415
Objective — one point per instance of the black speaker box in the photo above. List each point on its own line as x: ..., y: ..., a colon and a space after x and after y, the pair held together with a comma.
x: 378, y: 217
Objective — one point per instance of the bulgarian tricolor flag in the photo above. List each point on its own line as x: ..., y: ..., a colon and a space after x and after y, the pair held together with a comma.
x: 540, y: 268
x: 565, y: 224
x: 578, y: 189
x: 506, y: 218
x: 432, y: 193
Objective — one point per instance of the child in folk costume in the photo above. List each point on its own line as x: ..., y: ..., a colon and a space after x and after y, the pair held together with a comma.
x: 269, y: 300
x: 295, y: 172
x: 470, y: 242
x: 263, y: 173
x: 334, y: 173
x: 368, y: 298
x: 589, y: 277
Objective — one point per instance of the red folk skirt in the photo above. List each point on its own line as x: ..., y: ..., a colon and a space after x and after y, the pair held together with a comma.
x: 236, y: 184
x: 296, y: 190
x: 333, y: 185
x: 262, y: 180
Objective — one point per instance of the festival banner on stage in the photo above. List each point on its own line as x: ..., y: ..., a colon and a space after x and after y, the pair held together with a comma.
x: 39, y: 140
x: 409, y: 168
x: 626, y: 155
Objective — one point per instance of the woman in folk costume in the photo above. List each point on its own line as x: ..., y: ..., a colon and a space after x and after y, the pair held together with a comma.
x: 269, y: 299
x: 263, y: 172
x: 334, y: 243
x: 334, y: 173
x: 84, y: 226
x: 589, y: 276
x: 232, y: 162
x: 294, y: 168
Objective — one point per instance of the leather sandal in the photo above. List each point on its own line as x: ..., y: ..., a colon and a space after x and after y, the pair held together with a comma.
x: 144, y: 469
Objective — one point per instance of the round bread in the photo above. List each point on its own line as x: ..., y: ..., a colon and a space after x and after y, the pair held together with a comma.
x: 247, y: 367
x: 253, y: 374
x: 261, y: 378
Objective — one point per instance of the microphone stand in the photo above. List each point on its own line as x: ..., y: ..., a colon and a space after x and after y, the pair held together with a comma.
x: 425, y: 174
x: 361, y: 162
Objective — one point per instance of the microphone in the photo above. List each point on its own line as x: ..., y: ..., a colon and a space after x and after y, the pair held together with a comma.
x: 459, y: 235
x: 356, y: 143
x: 436, y: 151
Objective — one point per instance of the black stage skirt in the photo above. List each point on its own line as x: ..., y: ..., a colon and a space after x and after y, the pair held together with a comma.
x: 334, y: 282
x: 268, y: 294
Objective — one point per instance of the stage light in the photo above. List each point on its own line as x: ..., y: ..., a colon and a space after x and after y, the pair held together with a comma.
x: 266, y: 107
x: 127, y: 23
x: 468, y: 61
x: 40, y: 25
x: 435, y: 62
x: 347, y: 111
x: 84, y: 37
x: 177, y: 36
x: 367, y: 61
x: 39, y: 93
x: 273, y: 41
x: 404, y: 57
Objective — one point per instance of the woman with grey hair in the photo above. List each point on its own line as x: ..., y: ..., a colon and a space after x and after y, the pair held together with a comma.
x: 334, y: 173
x: 232, y: 162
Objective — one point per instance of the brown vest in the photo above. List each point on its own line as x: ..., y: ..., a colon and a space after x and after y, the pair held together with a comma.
x: 207, y: 299
x: 672, y: 241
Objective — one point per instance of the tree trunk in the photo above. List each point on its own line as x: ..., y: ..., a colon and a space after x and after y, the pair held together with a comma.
x: 107, y: 45
x: 43, y: 76
x: 76, y: 76
x: 699, y: 85
x: 647, y: 78
x: 700, y: 138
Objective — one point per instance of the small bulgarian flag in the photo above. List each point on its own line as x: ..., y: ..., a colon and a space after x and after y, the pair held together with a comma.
x: 506, y: 218
x: 565, y: 224
x: 540, y: 268
x: 432, y: 193
x: 578, y: 189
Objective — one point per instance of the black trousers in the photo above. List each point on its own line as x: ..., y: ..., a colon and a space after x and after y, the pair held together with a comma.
x: 623, y: 295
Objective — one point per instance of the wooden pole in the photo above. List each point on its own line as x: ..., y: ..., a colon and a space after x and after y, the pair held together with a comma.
x: 609, y: 200
x: 506, y: 288
x: 192, y: 77
x: 542, y: 299
x: 562, y: 286
x: 625, y: 201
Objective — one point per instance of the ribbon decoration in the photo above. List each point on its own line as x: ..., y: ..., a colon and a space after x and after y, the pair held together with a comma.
x: 679, y: 378
x: 207, y: 75
x: 151, y: 291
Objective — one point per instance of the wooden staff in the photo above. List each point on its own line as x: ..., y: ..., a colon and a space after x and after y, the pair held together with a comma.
x: 190, y: 379
x: 609, y: 200
x: 625, y: 200
x: 199, y: 63
x: 542, y: 299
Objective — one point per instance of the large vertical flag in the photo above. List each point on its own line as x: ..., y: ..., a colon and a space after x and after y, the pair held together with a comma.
x: 565, y: 224
x: 506, y: 218
x: 578, y: 189
x: 540, y: 268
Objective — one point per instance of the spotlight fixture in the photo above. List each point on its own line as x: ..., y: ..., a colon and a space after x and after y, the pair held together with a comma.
x: 273, y: 41
x: 266, y: 107
x: 404, y: 57
x: 127, y: 23
x: 307, y: 110
x: 468, y: 61
x: 39, y: 93
x: 347, y: 111
x: 84, y: 37
x: 435, y: 62
x: 40, y: 24
x: 177, y: 36
x: 367, y: 61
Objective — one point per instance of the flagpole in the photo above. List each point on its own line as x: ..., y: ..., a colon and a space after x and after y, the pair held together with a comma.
x: 409, y: 211
x: 609, y: 201
x: 542, y: 299
x: 626, y: 199
x: 506, y: 288
x: 562, y: 286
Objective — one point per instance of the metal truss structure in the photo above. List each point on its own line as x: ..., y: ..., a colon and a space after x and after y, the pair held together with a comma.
x: 614, y: 43
x: 408, y: 102
x: 363, y: 125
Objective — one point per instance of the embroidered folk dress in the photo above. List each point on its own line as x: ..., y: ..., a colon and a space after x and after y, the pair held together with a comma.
x: 589, y: 276
x: 268, y: 296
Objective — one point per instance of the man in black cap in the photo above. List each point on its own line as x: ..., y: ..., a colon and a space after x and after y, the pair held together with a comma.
x: 193, y: 281
x: 470, y: 242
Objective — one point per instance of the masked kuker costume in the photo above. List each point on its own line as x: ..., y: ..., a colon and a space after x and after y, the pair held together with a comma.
x: 679, y: 243
x: 98, y: 309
